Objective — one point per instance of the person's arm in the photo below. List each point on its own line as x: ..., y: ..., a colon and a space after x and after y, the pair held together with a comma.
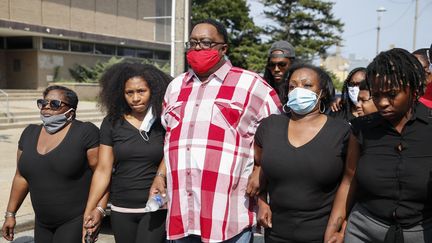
x: 253, y: 185
x: 18, y: 193
x: 344, y: 196
x: 159, y: 182
x: 264, y: 214
x: 102, y: 160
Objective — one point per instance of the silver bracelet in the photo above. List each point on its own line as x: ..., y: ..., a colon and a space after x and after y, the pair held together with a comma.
x: 161, y: 174
x: 9, y: 214
x: 101, y: 210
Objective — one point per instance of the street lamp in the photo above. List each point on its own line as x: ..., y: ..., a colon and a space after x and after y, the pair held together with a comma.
x: 380, y: 10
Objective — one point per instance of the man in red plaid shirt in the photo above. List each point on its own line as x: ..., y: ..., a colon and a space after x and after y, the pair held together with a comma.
x: 211, y: 114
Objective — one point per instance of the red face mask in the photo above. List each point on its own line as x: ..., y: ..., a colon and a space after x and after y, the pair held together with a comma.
x: 203, y: 60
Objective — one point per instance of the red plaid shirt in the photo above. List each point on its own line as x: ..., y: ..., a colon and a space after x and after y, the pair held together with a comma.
x: 209, y: 150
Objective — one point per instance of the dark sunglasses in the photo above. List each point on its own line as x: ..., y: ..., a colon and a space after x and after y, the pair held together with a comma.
x: 54, y: 104
x: 279, y: 64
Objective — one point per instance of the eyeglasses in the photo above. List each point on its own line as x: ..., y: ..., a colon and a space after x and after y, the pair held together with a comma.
x: 279, y: 64
x: 54, y: 104
x: 204, y: 44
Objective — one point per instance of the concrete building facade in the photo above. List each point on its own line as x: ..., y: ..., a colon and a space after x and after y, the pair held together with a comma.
x: 41, y: 39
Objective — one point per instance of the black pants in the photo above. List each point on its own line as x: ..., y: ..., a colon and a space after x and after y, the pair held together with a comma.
x: 139, y: 227
x: 69, y: 232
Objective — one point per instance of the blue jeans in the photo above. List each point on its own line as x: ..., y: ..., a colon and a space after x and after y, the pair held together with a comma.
x: 244, y: 237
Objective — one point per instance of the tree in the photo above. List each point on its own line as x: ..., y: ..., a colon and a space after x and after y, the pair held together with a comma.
x: 245, y: 48
x: 307, y: 24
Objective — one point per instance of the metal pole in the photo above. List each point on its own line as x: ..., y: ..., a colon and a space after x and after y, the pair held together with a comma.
x: 380, y: 10
x: 173, y: 10
x: 415, y: 25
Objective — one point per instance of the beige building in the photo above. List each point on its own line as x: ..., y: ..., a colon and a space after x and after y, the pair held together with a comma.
x: 41, y: 39
x: 337, y: 64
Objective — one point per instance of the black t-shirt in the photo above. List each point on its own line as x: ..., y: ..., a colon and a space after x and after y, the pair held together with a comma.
x: 136, y: 161
x: 395, y: 182
x: 59, y: 181
x: 302, y: 181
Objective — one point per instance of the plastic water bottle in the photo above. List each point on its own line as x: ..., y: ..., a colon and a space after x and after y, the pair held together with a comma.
x: 155, y: 202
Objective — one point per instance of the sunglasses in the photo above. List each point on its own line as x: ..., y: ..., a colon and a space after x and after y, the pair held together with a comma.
x: 279, y: 64
x: 54, y: 104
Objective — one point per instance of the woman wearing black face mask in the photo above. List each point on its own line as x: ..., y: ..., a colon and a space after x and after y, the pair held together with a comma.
x: 54, y: 163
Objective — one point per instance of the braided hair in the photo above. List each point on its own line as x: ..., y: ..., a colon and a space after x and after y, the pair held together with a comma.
x: 113, y: 83
x: 346, y: 102
x: 396, y: 69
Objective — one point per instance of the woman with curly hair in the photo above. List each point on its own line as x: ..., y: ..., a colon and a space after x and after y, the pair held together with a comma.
x: 132, y: 143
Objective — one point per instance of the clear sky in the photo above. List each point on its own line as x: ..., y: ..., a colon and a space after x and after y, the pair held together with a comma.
x: 360, y: 19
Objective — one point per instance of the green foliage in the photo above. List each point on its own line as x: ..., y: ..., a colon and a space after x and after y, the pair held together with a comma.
x: 84, y: 74
x: 337, y: 83
x: 307, y: 24
x: 245, y: 49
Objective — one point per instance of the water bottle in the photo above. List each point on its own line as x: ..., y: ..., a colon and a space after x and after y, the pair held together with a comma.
x: 155, y: 202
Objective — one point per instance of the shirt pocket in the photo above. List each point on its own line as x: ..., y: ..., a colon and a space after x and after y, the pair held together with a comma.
x: 226, y: 114
x: 173, y: 115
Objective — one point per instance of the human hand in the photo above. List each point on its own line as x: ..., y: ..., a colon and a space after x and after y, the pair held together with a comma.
x: 8, y: 228
x: 336, y: 105
x: 264, y: 215
x: 253, y: 185
x: 92, y: 223
x: 158, y: 186
x: 337, y: 236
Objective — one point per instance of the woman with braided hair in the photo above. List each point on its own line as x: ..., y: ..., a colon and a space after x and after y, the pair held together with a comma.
x: 393, y: 173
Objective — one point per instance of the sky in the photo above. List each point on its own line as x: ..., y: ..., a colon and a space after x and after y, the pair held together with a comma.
x: 360, y: 19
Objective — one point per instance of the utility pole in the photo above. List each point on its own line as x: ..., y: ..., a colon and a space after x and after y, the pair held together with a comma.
x: 415, y: 25
x: 380, y: 10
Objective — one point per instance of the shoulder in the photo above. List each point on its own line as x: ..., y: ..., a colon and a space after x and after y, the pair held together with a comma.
x: 30, y: 128
x: 85, y: 126
x: 275, y: 119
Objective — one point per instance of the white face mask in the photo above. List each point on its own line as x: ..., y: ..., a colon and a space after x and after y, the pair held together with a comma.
x: 353, y: 93
x: 146, y: 124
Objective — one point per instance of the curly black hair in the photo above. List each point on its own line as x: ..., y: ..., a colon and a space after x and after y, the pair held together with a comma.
x: 396, y: 69
x: 113, y: 82
x: 346, y: 102
x: 325, y: 82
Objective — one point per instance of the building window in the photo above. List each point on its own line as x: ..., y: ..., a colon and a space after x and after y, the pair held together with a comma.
x: 55, y: 44
x: 81, y: 46
x: 162, y: 55
x: 22, y: 42
x: 105, y: 49
x: 143, y: 53
x: 163, y: 26
x: 2, y: 43
x: 126, y: 52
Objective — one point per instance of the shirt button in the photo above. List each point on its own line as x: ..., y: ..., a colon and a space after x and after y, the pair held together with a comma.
x: 189, y: 194
x: 188, y: 172
x: 187, y: 148
x: 196, y: 105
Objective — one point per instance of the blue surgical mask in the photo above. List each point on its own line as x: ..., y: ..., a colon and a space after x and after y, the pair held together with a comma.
x: 54, y: 123
x: 302, y: 101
